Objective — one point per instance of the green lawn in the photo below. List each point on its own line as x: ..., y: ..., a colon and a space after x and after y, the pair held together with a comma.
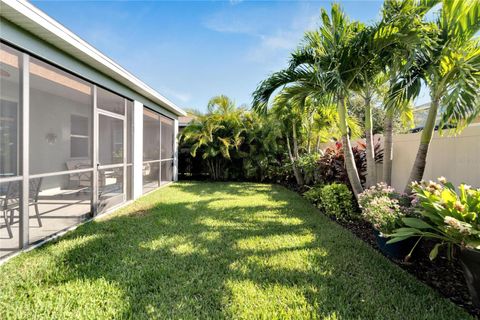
x: 214, y: 250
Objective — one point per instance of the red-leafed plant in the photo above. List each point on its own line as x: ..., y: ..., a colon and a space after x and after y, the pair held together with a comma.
x: 331, y: 166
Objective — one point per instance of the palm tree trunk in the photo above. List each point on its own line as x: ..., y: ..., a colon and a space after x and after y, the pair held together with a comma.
x: 295, y: 143
x: 421, y: 159
x: 296, y: 171
x: 388, y: 148
x: 211, y: 169
x: 350, y: 166
x: 370, y: 152
x: 317, y: 145
x: 309, y: 133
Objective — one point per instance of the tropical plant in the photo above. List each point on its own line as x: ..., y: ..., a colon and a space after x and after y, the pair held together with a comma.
x: 307, y: 163
x: 331, y: 166
x: 448, y: 62
x: 216, y: 136
x: 289, y: 114
x: 403, y: 19
x: 305, y: 120
x: 381, y: 207
x: 448, y: 216
x: 262, y: 152
x: 221, y: 104
x: 323, y: 64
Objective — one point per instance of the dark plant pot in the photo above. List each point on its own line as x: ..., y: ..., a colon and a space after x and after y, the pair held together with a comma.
x: 398, y: 250
x: 470, y: 261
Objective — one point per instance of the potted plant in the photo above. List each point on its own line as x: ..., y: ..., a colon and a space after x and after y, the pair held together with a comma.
x: 451, y: 218
x: 381, y: 207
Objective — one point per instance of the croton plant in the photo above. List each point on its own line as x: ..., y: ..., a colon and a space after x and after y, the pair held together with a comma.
x: 450, y: 216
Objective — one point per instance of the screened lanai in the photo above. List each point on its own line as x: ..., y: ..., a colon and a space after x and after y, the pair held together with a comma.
x: 70, y: 143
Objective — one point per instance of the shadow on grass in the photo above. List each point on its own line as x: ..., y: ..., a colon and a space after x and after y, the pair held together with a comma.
x: 209, y: 252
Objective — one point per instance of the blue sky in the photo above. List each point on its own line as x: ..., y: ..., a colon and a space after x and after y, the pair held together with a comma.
x: 191, y: 51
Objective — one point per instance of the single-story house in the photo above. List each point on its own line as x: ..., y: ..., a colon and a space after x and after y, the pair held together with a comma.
x: 79, y: 134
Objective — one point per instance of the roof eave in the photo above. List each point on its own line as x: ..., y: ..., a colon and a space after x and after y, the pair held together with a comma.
x: 32, y: 19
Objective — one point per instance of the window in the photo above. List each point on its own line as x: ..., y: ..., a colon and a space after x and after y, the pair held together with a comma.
x: 79, y: 142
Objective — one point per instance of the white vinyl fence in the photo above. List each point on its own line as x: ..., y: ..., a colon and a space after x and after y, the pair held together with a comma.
x: 457, y: 158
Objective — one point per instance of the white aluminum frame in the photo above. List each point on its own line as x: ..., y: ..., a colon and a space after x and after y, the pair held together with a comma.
x: 159, y: 161
x: 102, y: 112
x: 136, y: 146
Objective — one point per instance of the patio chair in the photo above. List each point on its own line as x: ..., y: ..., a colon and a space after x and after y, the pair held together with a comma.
x: 11, y: 202
x: 82, y: 179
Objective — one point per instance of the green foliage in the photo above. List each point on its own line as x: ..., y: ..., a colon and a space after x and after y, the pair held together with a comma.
x: 335, y: 200
x: 448, y: 216
x: 234, y: 143
x: 447, y: 60
x: 314, y: 195
x: 381, y: 207
x: 308, y: 164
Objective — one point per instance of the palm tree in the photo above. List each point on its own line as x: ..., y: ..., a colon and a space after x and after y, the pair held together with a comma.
x: 449, y: 64
x: 383, y: 47
x: 324, y: 62
x: 405, y: 16
x: 216, y: 135
x: 221, y: 104
x: 289, y: 117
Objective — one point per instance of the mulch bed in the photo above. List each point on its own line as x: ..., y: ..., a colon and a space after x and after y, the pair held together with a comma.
x: 441, y: 274
x: 445, y: 276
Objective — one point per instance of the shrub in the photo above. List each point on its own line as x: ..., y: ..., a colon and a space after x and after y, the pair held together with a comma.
x: 307, y: 163
x: 446, y: 215
x: 331, y: 166
x: 336, y: 200
x: 314, y: 194
x: 381, y: 207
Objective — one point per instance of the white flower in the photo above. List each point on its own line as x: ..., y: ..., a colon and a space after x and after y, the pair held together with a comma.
x: 462, y: 227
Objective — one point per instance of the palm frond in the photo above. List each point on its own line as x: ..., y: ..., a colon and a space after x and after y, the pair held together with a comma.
x: 276, y: 80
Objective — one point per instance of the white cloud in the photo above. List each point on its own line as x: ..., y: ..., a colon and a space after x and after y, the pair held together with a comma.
x: 177, y: 95
x: 278, y: 44
x: 227, y: 23
x: 272, y: 42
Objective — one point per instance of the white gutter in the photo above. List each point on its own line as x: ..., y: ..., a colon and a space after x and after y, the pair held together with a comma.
x: 32, y: 19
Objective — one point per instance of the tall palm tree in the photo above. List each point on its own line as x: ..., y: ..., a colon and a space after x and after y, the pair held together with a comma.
x: 324, y: 62
x: 405, y: 16
x: 450, y: 66
x: 382, y: 47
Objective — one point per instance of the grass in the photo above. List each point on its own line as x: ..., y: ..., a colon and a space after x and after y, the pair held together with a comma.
x: 214, y: 250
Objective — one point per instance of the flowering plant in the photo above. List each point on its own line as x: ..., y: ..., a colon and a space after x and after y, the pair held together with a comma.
x: 449, y: 216
x: 381, y: 207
